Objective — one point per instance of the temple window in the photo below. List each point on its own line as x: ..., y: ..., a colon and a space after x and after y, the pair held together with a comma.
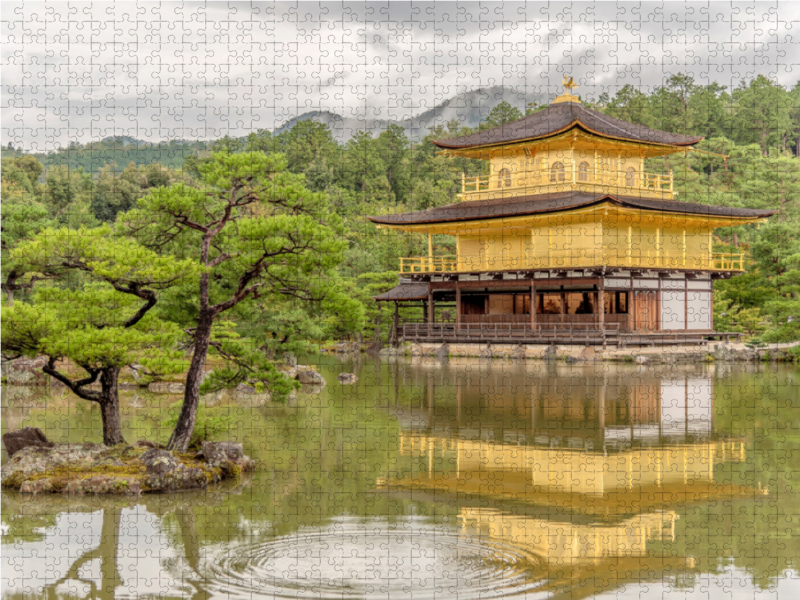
x: 504, y: 178
x: 583, y: 171
x: 616, y: 303
x: 557, y: 174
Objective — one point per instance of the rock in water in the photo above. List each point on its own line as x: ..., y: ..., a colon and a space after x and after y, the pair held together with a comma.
x: 166, y: 387
x: 551, y: 353
x: 308, y: 376
x: 347, y: 378
x: 14, y: 441
x: 216, y: 453
x: 723, y: 352
x: 442, y: 353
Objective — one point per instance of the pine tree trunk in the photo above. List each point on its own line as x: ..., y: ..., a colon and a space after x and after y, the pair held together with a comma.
x: 109, y: 407
x: 191, y: 398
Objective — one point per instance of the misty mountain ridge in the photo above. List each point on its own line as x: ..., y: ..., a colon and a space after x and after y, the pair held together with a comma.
x: 468, y: 108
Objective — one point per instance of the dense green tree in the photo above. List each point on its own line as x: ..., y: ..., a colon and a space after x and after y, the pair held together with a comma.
x: 104, y: 324
x: 22, y: 218
x: 364, y: 171
x: 764, y: 114
x: 500, y: 115
x: 393, y: 146
x: 116, y: 192
x: 632, y: 105
x: 67, y: 196
x: 255, y: 232
x: 306, y: 142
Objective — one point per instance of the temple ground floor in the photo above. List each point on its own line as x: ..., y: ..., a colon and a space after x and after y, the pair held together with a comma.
x: 552, y: 307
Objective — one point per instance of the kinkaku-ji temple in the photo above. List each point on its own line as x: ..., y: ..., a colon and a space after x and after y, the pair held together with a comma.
x: 567, y: 239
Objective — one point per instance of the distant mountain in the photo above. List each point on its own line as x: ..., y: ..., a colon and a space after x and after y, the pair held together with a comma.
x: 470, y: 108
x: 123, y: 140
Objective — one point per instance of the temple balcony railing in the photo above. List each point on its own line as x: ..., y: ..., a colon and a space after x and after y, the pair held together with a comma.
x: 506, y: 184
x: 652, y: 259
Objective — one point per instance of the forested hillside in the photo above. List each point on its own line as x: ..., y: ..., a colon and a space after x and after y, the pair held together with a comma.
x: 748, y: 159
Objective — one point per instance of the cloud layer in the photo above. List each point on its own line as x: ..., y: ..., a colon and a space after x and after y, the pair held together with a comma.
x: 156, y: 71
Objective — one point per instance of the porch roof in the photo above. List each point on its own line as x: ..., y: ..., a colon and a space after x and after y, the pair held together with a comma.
x: 404, y: 291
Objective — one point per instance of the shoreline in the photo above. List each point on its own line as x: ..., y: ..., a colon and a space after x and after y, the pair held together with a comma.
x: 712, y: 352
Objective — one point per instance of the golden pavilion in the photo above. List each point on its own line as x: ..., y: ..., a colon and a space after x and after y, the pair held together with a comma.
x: 567, y: 239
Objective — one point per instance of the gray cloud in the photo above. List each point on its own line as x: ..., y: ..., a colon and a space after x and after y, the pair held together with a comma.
x: 83, y: 71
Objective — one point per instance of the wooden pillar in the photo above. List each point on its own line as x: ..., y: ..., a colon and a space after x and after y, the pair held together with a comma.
x: 458, y: 307
x: 658, y: 247
x: 533, y: 304
x: 572, y: 159
x: 424, y: 311
x: 601, y: 307
x: 430, y: 252
x: 684, y: 247
x: 630, y: 245
x: 563, y: 305
x: 430, y: 311
x: 710, y: 264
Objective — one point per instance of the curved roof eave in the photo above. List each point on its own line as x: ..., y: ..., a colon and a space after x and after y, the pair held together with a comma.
x: 525, y: 210
x: 575, y: 123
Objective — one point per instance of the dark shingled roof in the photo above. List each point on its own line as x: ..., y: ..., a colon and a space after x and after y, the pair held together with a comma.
x: 405, y: 291
x: 560, y: 117
x: 558, y: 202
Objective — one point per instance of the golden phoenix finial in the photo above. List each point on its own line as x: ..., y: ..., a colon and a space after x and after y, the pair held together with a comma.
x: 569, y: 84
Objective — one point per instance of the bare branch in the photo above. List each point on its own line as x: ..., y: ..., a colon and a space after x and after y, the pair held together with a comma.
x: 75, y: 386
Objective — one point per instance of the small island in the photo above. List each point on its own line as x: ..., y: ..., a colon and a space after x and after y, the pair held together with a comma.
x: 38, y: 465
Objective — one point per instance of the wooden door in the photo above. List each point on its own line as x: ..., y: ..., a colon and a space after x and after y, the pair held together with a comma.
x: 646, y: 311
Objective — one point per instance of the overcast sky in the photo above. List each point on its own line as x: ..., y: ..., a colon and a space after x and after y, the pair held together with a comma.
x: 155, y: 71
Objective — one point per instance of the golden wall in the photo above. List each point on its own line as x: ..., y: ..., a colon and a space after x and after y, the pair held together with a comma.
x: 587, y: 244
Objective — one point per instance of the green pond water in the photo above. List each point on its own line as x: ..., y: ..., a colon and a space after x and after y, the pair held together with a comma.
x: 471, y: 479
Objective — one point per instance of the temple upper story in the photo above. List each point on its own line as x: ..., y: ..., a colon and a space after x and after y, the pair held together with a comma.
x: 567, y: 147
x: 566, y: 187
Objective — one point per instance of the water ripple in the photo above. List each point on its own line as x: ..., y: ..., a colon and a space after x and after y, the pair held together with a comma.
x: 353, y: 558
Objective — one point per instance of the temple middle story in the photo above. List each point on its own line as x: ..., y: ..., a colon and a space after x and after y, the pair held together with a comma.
x: 566, y: 240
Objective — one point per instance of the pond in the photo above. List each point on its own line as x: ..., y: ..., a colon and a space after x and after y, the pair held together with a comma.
x: 469, y: 479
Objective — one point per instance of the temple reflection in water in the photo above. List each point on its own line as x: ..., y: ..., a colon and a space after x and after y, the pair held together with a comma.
x: 582, y: 469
